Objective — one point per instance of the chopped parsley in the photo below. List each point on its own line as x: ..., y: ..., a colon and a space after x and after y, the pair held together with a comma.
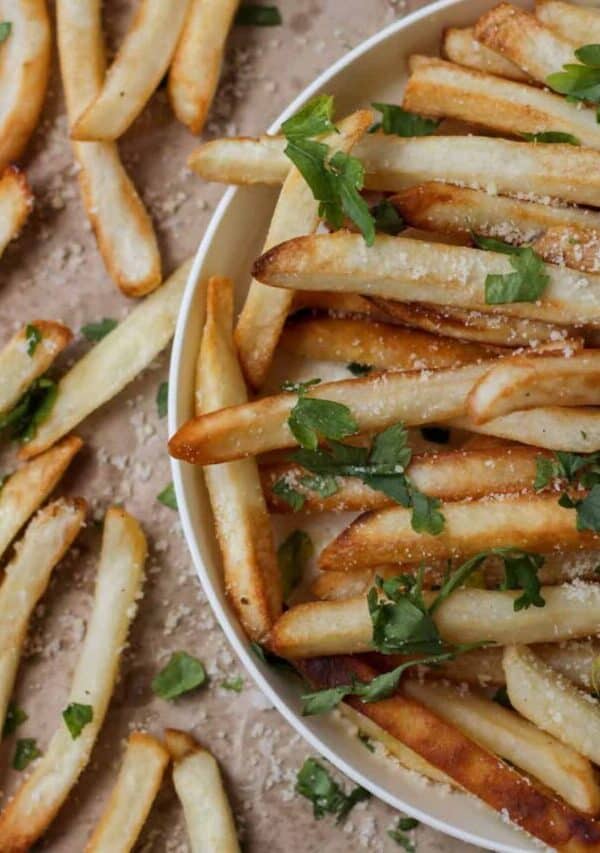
x: 313, y: 119
x: 579, y: 82
x: 32, y: 338
x: 292, y: 557
x: 526, y: 283
x: 316, y: 784
x: 162, y: 396
x: 399, y: 833
x: 387, y: 218
x: 181, y: 674
x: 581, y: 471
x: 548, y: 136
x: 76, y: 717
x: 255, y: 15
x: 357, y: 368
x: 167, y: 497
x: 313, y: 418
x: 236, y: 684
x: 400, y: 122
x: 26, y: 751
x: 32, y: 409
x: 5, y: 30
x: 99, y: 330
x: 15, y: 716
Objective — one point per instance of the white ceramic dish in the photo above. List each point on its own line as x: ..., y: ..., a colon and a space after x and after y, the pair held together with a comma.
x: 371, y: 72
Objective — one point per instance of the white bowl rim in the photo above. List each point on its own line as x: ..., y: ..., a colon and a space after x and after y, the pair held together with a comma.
x: 244, y: 653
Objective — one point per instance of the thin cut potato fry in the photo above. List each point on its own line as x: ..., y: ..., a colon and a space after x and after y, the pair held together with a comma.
x: 461, y: 46
x: 443, y: 89
x: 197, y: 60
x: 527, y: 383
x: 571, y: 22
x: 252, y: 428
x: 571, y: 246
x: 552, y: 427
x: 120, y: 221
x: 110, y: 365
x: 199, y: 785
x: 47, y: 538
x: 16, y: 202
x: 409, y: 270
x: 469, y: 765
x: 550, y: 701
x: 493, y: 329
x: 509, y: 736
x: 378, y: 345
x: 469, y: 615
x: 452, y: 476
x: 21, y: 362
x: 535, y: 522
x: 296, y: 212
x: 393, y: 163
x: 251, y: 573
x: 522, y: 38
x: 29, y: 486
x: 136, y: 71
x: 24, y: 70
x: 131, y: 798
x: 118, y: 587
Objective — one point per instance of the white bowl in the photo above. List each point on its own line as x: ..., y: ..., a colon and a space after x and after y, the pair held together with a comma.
x: 371, y: 72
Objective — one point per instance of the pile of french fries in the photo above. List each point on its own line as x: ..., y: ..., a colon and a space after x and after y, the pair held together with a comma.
x: 512, y: 385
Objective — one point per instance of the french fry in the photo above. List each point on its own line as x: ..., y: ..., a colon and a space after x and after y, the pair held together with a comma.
x: 198, y: 783
x: 469, y: 615
x: 29, y: 486
x: 444, y: 89
x: 571, y: 246
x: 535, y: 521
x: 337, y: 586
x: 124, y: 815
x: 120, y: 221
x: 452, y: 476
x: 25, y: 69
x: 469, y: 765
x: 16, y: 202
x: 550, y: 701
x: 461, y: 210
x: 376, y: 401
x: 296, y: 212
x: 554, y: 428
x: 393, y: 163
x: 378, y: 345
x: 47, y: 538
x: 196, y: 64
x: 510, y: 737
x: 571, y: 22
x: 110, y: 365
x: 461, y: 46
x: 527, y: 383
x: 27, y: 355
x: 492, y: 329
x: 251, y: 573
x: 522, y: 38
x: 408, y: 270
x: 118, y: 587
x: 136, y: 71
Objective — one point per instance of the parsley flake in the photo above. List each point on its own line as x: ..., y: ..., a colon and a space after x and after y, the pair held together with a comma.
x: 167, y: 497
x: 400, y: 122
x: 99, y: 330
x: 549, y: 136
x: 292, y: 556
x: 579, y: 82
x: 235, y: 684
x: 313, y: 119
x: 162, y: 396
x: 32, y: 338
x: 313, y: 418
x: 26, y: 751
x: 387, y: 218
x: 525, y: 284
x: 14, y: 717
x: 33, y: 409
x: 316, y: 784
x: 398, y: 834
x: 76, y: 717
x: 5, y: 30
x: 181, y: 674
x: 255, y: 15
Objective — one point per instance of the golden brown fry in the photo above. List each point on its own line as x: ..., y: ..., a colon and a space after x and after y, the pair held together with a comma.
x: 243, y: 528
x: 406, y: 270
x: 29, y: 486
x: 118, y: 587
x: 27, y: 355
x: 47, y: 538
x: 553, y: 703
x: 377, y: 345
x: 376, y: 401
x: 536, y: 522
x: 452, y: 476
x: 124, y: 815
x: 120, y: 221
x: 112, y: 363
x: 510, y: 737
x: 523, y: 39
x: 16, y: 202
x: 198, y: 783
x: 443, y: 89
x: 571, y: 22
x: 469, y: 615
x: 461, y: 46
x: 527, y: 383
x: 136, y: 71
x: 296, y: 212
x: 196, y: 64
x: 25, y: 68
x: 555, y: 428
x: 571, y: 246
x: 468, y: 764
